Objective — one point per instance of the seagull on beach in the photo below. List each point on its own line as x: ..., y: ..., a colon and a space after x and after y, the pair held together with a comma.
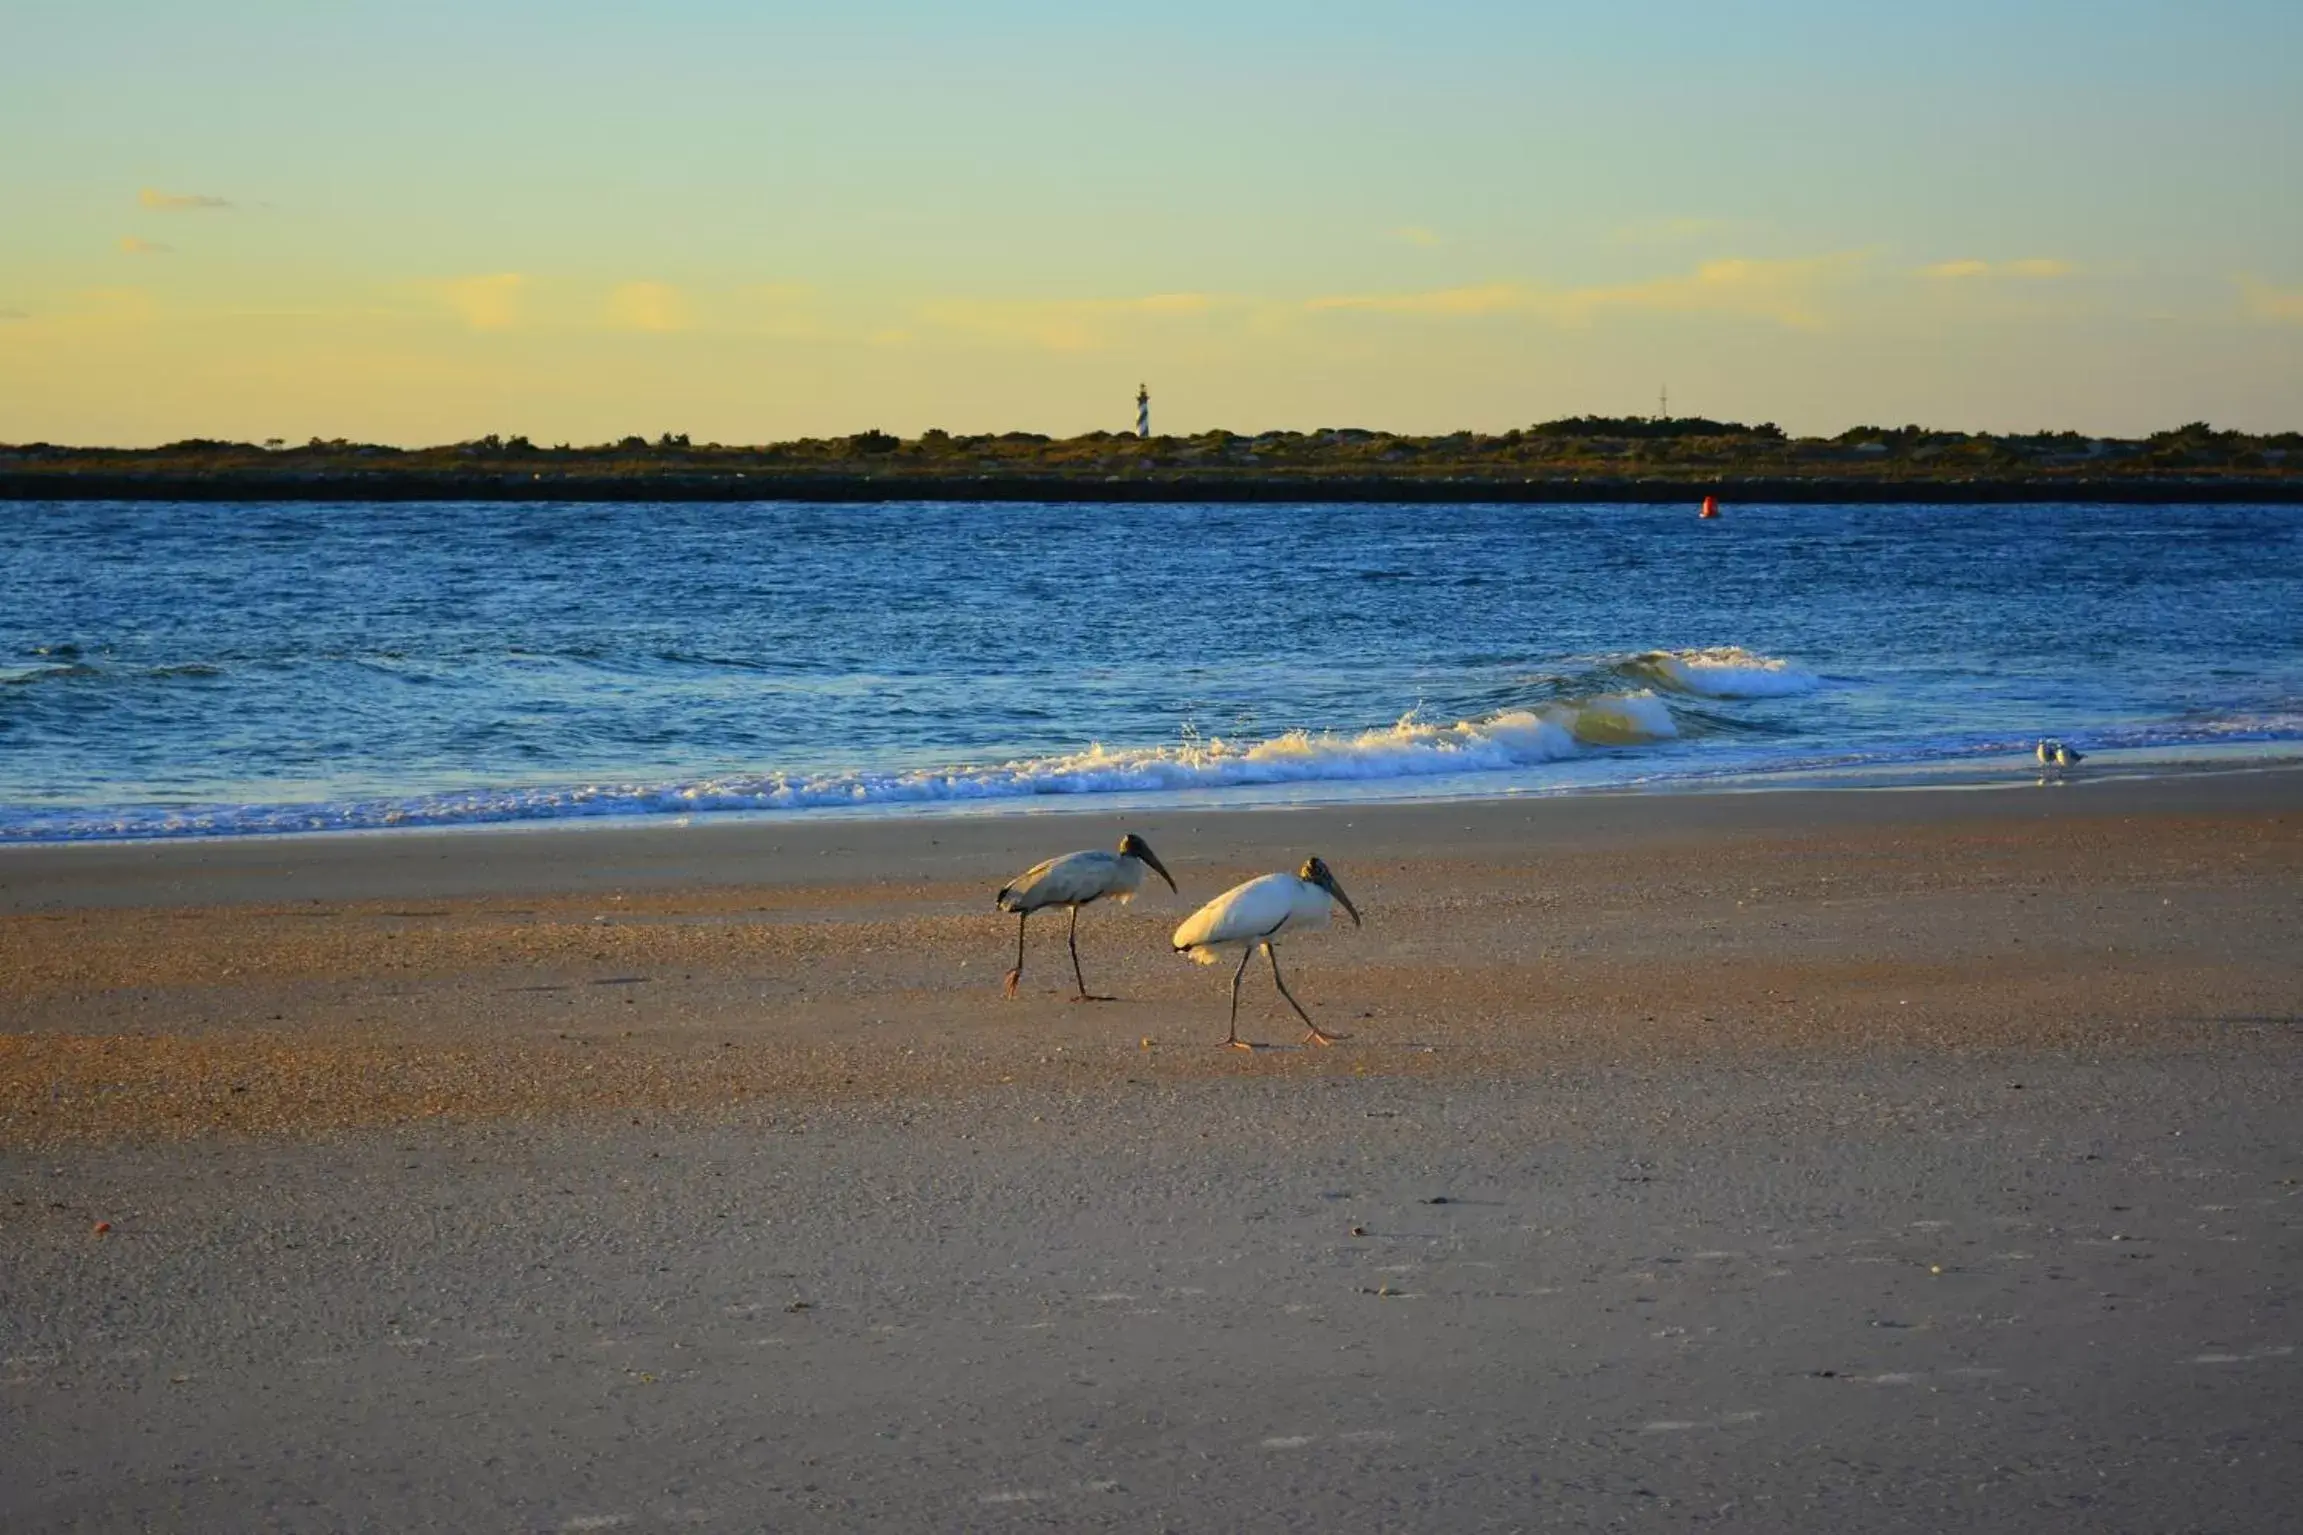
x: 1254, y: 916
x: 1076, y: 880
x: 2054, y: 756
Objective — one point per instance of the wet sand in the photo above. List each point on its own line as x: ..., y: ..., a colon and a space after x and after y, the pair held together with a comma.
x: 1778, y: 1161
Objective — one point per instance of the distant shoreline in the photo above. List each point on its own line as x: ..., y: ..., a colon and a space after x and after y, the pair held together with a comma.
x: 1630, y: 460
x: 1250, y: 487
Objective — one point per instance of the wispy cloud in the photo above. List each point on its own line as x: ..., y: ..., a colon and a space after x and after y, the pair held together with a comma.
x: 2264, y: 302
x: 1059, y: 325
x: 1416, y: 234
x: 15, y: 314
x: 484, y: 303
x: 651, y: 306
x: 1787, y: 291
x: 1672, y: 231
x: 2032, y: 267
x: 179, y: 202
x: 1487, y: 298
x: 133, y: 246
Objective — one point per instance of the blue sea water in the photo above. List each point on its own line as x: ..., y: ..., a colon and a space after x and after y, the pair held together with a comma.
x: 216, y: 669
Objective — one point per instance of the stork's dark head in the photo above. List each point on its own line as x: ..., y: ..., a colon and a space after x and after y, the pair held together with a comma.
x: 1133, y: 846
x: 1315, y: 872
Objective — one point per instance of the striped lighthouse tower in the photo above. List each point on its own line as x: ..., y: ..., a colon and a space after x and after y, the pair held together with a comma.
x: 1143, y: 411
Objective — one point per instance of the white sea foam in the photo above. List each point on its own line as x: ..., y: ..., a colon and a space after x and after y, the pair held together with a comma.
x: 1724, y: 671
x: 1410, y: 749
x: 1585, y: 742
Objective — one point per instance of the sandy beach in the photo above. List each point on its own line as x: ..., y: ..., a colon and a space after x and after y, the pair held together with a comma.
x: 301, y: 984
x: 1907, y: 1159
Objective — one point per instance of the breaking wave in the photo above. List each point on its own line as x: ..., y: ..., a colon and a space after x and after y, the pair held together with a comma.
x: 1676, y: 717
x: 1411, y: 748
x: 1723, y: 671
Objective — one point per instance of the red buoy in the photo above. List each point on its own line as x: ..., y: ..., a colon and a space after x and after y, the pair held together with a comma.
x: 1710, y: 507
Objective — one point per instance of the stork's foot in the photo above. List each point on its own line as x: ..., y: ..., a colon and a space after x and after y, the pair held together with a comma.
x: 1237, y: 1043
x: 1089, y: 996
x: 1014, y: 976
x: 1319, y: 1037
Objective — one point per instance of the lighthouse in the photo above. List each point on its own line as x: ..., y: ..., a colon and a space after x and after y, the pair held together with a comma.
x: 1143, y: 411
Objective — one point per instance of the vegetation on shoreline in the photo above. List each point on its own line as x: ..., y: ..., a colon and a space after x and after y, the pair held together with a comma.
x: 1587, y: 451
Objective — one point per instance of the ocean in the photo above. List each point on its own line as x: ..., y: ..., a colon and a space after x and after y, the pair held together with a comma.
x: 178, y: 670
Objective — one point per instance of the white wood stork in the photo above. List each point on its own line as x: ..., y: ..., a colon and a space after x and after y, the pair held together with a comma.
x: 1076, y: 880
x: 1254, y: 916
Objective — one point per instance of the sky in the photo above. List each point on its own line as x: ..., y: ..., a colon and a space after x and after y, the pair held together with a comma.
x: 421, y: 222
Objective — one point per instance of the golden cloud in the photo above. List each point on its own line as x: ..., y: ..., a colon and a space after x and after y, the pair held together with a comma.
x: 2034, y: 267
x: 484, y: 303
x: 1059, y: 325
x: 2264, y: 302
x: 178, y: 202
x: 652, y: 306
x: 133, y: 246
x: 1785, y: 291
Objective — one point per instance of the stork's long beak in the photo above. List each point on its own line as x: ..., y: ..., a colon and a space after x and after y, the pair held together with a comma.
x: 1151, y: 858
x: 1328, y: 884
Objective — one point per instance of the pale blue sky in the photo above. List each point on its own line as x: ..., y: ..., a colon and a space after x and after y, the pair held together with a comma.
x: 760, y: 220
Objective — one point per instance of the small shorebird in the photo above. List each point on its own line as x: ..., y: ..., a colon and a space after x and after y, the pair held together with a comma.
x: 2066, y: 757
x: 1253, y: 916
x: 2047, y: 749
x: 1076, y: 880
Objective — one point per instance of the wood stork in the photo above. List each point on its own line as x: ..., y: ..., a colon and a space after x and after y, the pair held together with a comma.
x: 1254, y: 916
x: 1076, y: 880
